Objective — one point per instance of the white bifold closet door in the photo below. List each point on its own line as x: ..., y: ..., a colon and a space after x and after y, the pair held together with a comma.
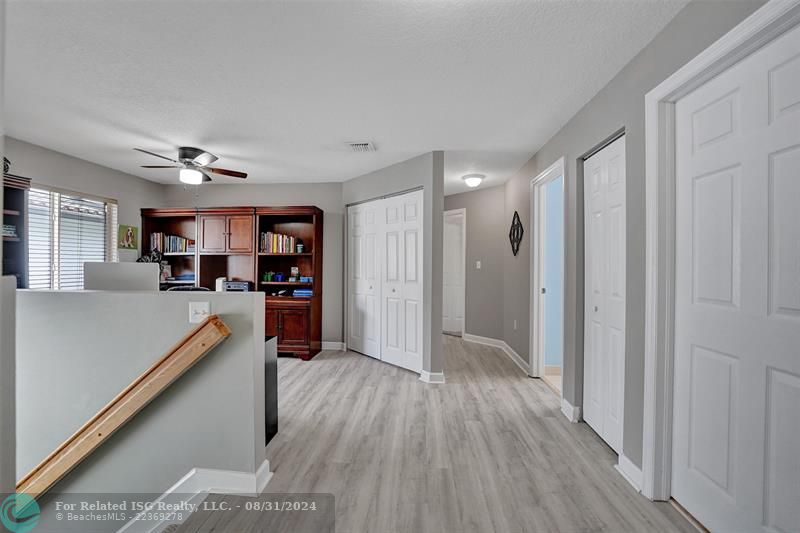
x: 364, y: 284
x: 604, y: 334
x: 385, y: 280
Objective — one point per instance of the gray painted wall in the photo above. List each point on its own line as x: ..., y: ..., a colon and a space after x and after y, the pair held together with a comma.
x: 620, y: 104
x: 54, y: 169
x: 8, y: 287
x: 425, y: 171
x: 326, y: 196
x: 486, y: 224
x: 7, y: 372
x: 87, y: 358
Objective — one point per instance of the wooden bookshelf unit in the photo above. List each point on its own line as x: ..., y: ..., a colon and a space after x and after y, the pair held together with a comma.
x: 228, y: 242
x: 15, y: 219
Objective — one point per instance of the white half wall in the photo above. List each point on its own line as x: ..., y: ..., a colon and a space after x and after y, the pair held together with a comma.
x: 8, y: 286
x: 77, y: 350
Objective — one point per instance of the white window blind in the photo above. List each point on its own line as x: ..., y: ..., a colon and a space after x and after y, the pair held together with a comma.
x: 65, y: 231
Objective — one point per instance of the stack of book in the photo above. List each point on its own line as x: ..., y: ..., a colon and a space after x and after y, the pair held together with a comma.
x: 171, y: 244
x: 10, y: 230
x: 302, y: 293
x: 275, y: 243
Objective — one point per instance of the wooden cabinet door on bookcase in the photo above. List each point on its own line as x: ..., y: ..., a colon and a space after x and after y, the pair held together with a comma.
x: 271, y: 323
x: 240, y: 234
x: 212, y: 233
x: 293, y: 327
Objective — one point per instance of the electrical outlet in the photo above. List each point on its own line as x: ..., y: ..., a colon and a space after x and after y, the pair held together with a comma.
x: 515, y: 325
x: 478, y: 265
x: 199, y: 311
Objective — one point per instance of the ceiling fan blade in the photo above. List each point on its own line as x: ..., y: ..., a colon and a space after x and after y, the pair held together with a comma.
x: 226, y: 172
x: 161, y: 166
x: 157, y: 155
x: 199, y: 157
x: 206, y: 177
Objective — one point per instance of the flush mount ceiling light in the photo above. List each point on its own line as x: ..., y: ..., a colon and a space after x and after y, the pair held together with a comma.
x: 473, y: 180
x: 191, y: 176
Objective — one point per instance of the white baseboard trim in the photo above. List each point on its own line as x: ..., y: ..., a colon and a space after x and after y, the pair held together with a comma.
x: 195, y: 486
x: 631, y: 472
x: 497, y: 343
x: 333, y: 346
x: 435, y: 378
x: 572, y: 413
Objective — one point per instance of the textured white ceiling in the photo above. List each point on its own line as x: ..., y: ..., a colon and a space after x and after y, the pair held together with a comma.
x: 277, y: 88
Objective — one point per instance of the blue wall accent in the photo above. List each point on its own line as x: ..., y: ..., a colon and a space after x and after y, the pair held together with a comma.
x: 554, y: 272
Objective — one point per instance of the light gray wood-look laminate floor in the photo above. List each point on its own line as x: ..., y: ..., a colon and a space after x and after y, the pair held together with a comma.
x: 489, y: 451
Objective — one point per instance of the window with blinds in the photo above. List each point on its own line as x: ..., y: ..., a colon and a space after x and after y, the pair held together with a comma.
x: 64, y: 231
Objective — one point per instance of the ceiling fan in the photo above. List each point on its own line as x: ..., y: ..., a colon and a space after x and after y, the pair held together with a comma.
x: 193, y: 163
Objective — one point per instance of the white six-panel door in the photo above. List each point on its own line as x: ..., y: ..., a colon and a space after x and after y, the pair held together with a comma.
x: 604, y: 314
x: 385, y: 282
x: 453, y: 290
x: 364, y: 279
x: 402, y: 281
x: 736, y: 414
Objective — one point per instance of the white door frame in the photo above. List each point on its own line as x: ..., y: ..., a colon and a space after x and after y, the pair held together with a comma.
x: 763, y: 26
x: 463, y: 212
x: 537, y: 252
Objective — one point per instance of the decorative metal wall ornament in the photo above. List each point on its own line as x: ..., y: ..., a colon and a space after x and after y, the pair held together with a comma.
x: 6, y: 165
x: 515, y: 233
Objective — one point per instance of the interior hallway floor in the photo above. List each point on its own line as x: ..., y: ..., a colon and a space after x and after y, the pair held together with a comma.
x: 487, y: 451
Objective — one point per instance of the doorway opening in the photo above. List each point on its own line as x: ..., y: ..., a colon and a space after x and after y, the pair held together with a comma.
x: 547, y: 330
x: 454, y: 265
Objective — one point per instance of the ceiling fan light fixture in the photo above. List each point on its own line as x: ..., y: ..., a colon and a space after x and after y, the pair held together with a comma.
x: 473, y: 180
x: 191, y: 176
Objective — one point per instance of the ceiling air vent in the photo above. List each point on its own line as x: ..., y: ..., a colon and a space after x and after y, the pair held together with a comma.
x: 362, y: 147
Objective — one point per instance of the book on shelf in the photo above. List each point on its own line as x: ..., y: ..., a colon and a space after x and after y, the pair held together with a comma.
x: 171, y: 244
x: 302, y: 293
x: 276, y: 243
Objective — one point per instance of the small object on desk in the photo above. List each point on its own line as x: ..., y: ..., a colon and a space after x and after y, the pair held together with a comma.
x: 219, y: 284
x: 166, y: 271
x: 236, y: 286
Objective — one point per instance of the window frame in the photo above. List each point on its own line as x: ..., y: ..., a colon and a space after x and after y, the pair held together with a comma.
x: 111, y: 254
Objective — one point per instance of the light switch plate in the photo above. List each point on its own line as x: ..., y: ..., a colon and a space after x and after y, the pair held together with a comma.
x: 199, y: 311
x: 478, y: 265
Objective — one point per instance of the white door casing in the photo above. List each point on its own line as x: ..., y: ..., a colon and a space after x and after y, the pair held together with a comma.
x: 736, y: 411
x: 537, y: 273
x: 402, y: 288
x: 363, y: 331
x: 604, y: 323
x: 454, y: 271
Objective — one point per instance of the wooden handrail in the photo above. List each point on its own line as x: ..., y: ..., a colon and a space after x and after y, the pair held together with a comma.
x: 144, y: 389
